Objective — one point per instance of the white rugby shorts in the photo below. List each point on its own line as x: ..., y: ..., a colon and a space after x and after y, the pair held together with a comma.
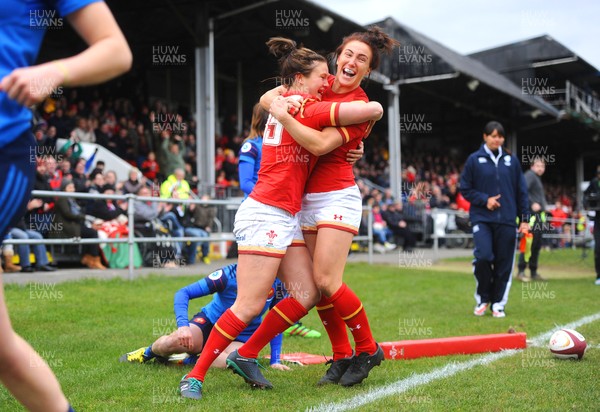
x: 340, y: 209
x: 266, y: 230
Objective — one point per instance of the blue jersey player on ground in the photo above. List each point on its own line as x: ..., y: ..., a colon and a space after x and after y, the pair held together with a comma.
x: 191, y: 334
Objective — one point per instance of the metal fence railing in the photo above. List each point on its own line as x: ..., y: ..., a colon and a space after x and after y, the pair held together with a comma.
x: 230, y: 206
x: 569, y: 228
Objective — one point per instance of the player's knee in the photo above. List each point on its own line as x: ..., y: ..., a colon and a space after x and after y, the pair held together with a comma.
x: 327, y: 284
x: 168, y: 342
x: 308, y: 297
x: 247, y: 310
x: 484, y: 256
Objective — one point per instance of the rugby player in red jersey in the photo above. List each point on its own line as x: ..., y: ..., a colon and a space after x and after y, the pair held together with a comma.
x: 266, y: 223
x: 332, y: 208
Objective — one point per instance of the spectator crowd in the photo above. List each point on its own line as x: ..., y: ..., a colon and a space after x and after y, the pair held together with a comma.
x: 430, y: 181
x: 160, y: 145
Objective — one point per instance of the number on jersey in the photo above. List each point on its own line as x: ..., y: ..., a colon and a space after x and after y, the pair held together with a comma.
x: 273, y: 132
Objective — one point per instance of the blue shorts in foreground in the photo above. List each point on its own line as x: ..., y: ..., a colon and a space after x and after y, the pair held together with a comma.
x: 17, y: 173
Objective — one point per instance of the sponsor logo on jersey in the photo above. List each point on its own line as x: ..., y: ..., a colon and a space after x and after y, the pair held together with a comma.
x: 216, y: 275
x: 246, y: 147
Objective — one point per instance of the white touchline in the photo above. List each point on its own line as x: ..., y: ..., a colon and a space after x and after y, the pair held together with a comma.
x: 446, y: 371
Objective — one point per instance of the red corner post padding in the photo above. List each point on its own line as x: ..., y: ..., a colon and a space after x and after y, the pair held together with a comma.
x: 302, y: 358
x: 460, y: 345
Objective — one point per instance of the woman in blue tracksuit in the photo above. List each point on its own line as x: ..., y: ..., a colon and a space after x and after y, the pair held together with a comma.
x: 492, y: 180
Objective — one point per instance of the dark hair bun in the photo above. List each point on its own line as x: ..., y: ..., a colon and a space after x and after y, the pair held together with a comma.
x: 281, y: 47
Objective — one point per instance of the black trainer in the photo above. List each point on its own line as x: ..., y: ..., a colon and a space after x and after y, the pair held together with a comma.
x: 335, y: 371
x: 248, y: 369
x: 361, y: 366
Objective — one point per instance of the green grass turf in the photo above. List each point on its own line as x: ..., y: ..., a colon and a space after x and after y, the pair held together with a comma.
x: 81, y: 328
x: 555, y: 258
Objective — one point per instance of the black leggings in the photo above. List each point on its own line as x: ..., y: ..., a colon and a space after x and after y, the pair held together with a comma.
x: 89, y: 233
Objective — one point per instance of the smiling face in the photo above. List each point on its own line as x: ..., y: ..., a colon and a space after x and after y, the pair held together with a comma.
x: 494, y: 140
x: 315, y: 83
x: 353, y: 64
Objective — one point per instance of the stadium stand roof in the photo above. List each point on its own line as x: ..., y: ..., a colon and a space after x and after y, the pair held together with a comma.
x: 439, y: 60
x: 567, y: 81
x: 457, y: 94
x: 522, y: 58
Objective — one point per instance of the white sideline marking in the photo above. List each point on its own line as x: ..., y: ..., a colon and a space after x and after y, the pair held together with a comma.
x: 446, y: 371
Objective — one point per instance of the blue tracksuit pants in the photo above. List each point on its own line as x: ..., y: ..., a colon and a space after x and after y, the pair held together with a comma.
x: 493, y: 264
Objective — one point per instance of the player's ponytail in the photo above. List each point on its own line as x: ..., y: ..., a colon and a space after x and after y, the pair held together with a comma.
x: 259, y: 120
x: 293, y: 59
x: 281, y: 47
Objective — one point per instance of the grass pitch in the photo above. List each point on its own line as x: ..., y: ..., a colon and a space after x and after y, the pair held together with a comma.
x: 81, y: 329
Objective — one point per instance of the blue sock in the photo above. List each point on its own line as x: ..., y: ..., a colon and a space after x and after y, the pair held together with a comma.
x: 148, y: 354
x: 71, y: 409
x: 190, y: 360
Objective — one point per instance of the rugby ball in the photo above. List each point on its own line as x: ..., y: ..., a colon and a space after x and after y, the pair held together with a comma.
x: 567, y: 344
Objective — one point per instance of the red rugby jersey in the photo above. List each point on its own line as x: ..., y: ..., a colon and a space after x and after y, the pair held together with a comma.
x: 285, y: 165
x: 332, y: 171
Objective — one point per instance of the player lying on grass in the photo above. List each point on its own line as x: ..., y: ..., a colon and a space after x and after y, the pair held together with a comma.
x: 191, y: 334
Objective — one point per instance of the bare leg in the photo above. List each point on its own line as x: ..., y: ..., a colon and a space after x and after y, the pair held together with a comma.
x: 255, y: 276
x: 329, y: 262
x: 297, y: 276
x: 220, y: 361
x: 169, y: 344
x: 311, y: 242
x: 26, y: 375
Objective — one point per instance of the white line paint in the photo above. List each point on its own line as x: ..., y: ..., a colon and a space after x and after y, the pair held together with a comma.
x: 446, y: 371
x: 543, y: 339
